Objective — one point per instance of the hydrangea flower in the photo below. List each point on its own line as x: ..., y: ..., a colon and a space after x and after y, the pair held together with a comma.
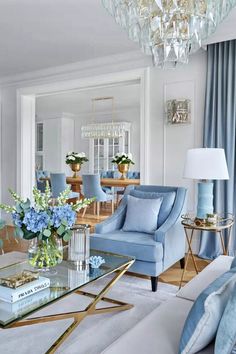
x: 63, y: 213
x: 16, y: 219
x: 36, y: 221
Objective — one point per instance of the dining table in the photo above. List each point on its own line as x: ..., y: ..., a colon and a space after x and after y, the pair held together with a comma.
x: 76, y: 182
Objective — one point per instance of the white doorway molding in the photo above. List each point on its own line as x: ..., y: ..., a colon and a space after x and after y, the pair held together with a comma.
x: 26, y: 119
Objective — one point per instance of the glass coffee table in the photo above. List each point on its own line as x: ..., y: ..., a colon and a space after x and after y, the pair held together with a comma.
x: 66, y: 281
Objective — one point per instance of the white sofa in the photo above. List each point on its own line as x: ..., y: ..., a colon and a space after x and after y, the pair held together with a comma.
x: 160, y: 331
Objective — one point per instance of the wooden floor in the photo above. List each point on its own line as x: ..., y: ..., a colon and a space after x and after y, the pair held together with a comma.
x: 171, y: 276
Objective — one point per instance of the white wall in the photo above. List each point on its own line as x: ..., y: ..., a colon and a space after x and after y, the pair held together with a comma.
x: 46, y: 108
x: 167, y: 144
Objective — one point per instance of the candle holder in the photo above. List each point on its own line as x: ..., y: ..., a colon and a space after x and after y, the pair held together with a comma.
x: 78, y: 250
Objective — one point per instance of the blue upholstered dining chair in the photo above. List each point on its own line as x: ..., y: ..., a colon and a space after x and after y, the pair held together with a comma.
x: 92, y: 189
x: 58, y: 185
x: 41, y: 185
x: 120, y: 191
x: 154, y: 251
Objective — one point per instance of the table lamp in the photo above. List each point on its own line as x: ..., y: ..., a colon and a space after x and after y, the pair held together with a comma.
x: 205, y: 164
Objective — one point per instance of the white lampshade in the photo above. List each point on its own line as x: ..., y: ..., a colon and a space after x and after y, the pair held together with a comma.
x: 206, y: 164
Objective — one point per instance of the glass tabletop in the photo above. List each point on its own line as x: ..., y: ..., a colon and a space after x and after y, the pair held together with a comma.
x: 66, y: 280
x: 223, y: 221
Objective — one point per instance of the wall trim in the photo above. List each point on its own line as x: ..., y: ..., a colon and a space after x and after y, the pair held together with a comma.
x: 68, y: 71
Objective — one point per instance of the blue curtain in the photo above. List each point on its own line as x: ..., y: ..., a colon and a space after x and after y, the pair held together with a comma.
x: 220, y: 132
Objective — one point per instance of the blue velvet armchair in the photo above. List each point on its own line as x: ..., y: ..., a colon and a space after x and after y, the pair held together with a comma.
x: 156, y: 252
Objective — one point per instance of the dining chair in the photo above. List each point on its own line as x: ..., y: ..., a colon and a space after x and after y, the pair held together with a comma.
x: 92, y: 189
x: 41, y: 185
x: 58, y: 185
x: 120, y: 192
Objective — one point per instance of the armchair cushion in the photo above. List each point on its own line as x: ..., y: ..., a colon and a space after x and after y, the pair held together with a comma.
x: 142, y: 214
x: 139, y: 245
x: 166, y: 205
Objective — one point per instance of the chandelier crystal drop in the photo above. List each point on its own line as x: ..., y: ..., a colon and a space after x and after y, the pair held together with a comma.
x: 169, y: 30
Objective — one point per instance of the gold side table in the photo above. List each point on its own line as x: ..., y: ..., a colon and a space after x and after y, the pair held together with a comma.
x: 224, y: 222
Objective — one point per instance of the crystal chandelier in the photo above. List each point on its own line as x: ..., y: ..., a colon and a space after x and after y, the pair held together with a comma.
x: 111, y: 129
x: 105, y: 130
x: 169, y: 30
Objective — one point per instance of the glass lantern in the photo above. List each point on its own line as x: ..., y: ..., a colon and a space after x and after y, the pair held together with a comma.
x: 78, y: 250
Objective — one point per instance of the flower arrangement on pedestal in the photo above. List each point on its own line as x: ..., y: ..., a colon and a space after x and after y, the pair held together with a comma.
x: 75, y: 160
x: 44, y: 224
x: 123, y: 162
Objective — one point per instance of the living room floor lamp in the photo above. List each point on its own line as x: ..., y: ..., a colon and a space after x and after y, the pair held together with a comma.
x: 205, y: 164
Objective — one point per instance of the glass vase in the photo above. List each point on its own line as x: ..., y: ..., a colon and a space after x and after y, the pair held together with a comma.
x: 45, y: 254
x: 78, y: 250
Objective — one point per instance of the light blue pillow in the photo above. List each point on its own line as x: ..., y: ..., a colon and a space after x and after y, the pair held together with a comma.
x: 204, y: 317
x: 142, y: 214
x: 233, y: 264
x: 166, y: 205
x: 226, y: 334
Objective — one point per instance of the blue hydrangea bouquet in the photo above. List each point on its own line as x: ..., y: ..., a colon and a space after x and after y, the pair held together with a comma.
x: 44, y: 224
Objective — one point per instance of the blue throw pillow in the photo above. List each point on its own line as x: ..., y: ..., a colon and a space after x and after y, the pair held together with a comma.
x: 142, y: 214
x: 226, y: 334
x: 204, y: 317
x: 166, y: 205
x: 233, y: 264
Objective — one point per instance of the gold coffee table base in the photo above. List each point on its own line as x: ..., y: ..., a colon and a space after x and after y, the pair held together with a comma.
x: 78, y: 316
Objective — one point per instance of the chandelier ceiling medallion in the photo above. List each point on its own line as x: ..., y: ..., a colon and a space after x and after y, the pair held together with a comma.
x: 169, y: 30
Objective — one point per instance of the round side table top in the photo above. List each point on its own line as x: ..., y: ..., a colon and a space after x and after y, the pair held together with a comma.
x: 224, y: 221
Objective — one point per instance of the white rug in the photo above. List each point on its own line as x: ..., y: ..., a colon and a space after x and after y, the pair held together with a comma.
x: 96, y: 332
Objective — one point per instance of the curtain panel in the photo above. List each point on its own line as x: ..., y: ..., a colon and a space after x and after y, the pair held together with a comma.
x: 220, y: 132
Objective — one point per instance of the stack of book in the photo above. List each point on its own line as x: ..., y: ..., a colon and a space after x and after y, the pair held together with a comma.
x: 12, y: 295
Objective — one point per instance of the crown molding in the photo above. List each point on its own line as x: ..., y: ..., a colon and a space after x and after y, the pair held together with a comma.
x: 70, y: 71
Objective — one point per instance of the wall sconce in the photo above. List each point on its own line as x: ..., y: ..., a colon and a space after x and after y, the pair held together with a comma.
x: 178, y: 111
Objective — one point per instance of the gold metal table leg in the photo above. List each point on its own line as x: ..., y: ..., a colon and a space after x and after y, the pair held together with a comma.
x: 78, y: 316
x: 222, y: 242
x: 229, y: 238
x: 189, y: 253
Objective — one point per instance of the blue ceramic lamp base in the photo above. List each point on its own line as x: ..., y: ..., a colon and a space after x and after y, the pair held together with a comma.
x: 205, y: 199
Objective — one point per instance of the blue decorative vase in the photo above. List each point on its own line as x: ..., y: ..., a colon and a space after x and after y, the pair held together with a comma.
x: 205, y: 199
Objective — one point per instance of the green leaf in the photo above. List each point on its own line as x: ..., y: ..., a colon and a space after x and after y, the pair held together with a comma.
x: 64, y: 222
x: 26, y: 205
x: 18, y: 208
x: 18, y: 232
x: 47, y: 233
x: 67, y: 235
x: 61, y: 230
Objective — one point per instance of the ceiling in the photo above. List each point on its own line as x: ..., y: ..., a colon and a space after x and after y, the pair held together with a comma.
x: 46, y: 33
x: 126, y: 96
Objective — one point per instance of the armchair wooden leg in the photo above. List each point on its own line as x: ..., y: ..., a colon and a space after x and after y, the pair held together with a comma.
x: 154, y: 282
x: 98, y: 208
x: 112, y: 206
x: 182, y: 263
x: 84, y: 211
x: 94, y: 208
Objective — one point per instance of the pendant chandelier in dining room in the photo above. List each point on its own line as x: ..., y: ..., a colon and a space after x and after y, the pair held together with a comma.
x: 169, y: 30
x: 103, y: 130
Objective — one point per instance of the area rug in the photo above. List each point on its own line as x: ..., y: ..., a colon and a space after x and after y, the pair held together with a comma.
x: 95, y: 332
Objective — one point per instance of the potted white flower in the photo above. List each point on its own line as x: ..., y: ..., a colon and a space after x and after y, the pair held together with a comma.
x: 75, y: 160
x: 123, y: 162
